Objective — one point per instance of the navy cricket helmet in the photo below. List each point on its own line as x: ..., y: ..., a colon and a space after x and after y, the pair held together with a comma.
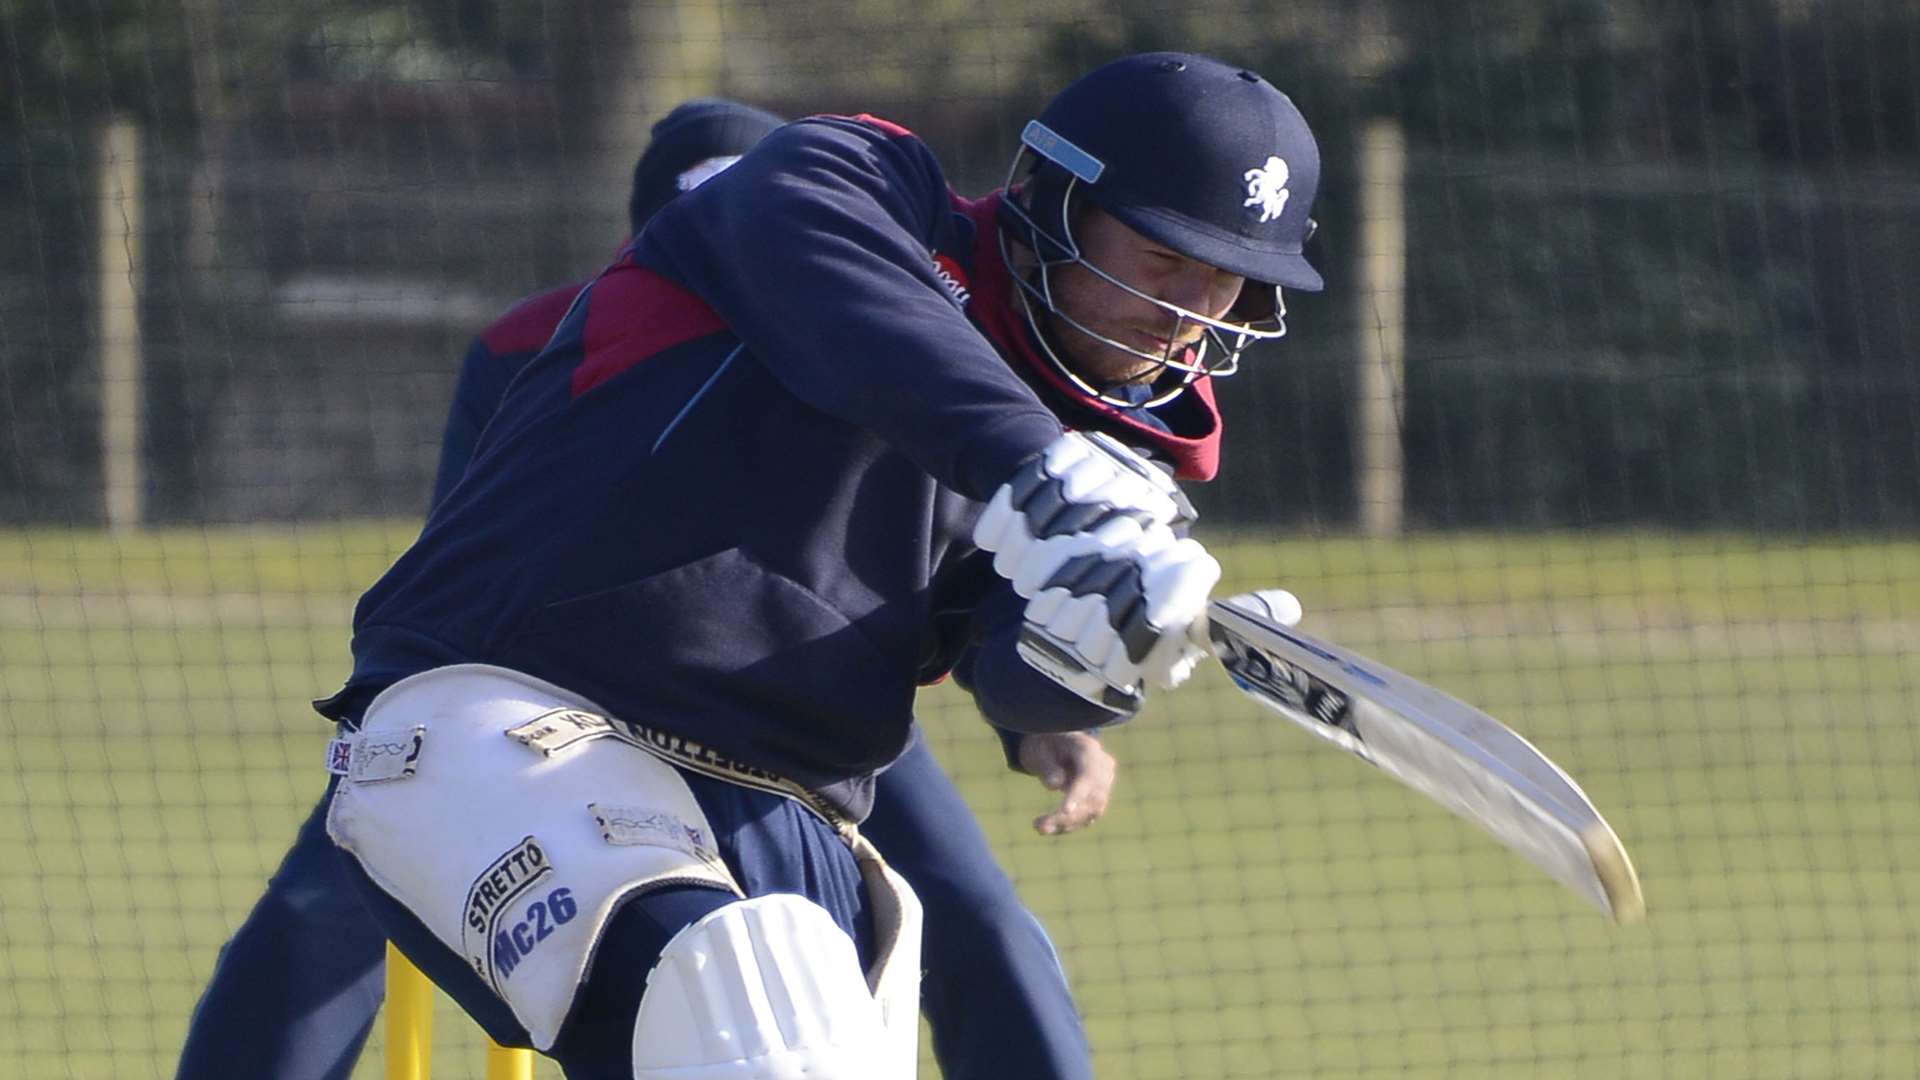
x: 1206, y: 158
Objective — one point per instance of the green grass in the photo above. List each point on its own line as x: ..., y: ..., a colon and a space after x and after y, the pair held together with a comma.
x: 1254, y: 905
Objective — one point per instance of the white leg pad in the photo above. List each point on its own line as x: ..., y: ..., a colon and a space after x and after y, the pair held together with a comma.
x: 764, y: 989
x: 493, y: 806
x: 895, y: 975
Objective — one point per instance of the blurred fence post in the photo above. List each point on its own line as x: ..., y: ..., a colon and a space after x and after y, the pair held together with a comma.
x: 1380, y: 382
x: 118, y: 267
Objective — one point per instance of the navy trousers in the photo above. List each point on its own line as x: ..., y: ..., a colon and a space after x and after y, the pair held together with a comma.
x: 295, y: 991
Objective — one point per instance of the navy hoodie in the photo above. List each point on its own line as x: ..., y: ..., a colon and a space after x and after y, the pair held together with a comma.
x: 732, y: 497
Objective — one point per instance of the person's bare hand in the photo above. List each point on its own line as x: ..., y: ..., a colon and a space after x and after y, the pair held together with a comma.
x: 1076, y: 765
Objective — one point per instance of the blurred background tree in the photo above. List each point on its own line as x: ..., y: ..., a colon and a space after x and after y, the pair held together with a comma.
x: 1657, y: 269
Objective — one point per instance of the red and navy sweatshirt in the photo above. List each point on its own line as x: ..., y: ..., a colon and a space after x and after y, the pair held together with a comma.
x: 732, y: 497
x: 492, y: 361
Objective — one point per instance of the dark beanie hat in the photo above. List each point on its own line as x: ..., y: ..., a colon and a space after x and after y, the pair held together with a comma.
x: 694, y: 132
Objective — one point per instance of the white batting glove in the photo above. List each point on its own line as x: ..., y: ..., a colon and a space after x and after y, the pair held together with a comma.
x: 1084, y: 532
x: 1109, y: 623
x: 1081, y: 484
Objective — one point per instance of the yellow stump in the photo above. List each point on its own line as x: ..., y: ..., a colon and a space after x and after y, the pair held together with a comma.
x: 409, y: 1019
x: 508, y: 1064
x: 410, y: 1029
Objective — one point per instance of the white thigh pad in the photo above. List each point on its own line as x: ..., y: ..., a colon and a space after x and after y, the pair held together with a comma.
x: 514, y: 827
x: 763, y: 989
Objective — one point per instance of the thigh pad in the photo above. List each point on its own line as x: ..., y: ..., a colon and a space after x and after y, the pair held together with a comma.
x: 467, y: 798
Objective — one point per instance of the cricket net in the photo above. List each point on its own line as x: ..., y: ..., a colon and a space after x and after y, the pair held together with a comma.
x: 1604, y: 423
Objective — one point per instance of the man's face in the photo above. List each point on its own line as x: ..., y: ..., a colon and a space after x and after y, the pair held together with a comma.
x: 1100, y: 306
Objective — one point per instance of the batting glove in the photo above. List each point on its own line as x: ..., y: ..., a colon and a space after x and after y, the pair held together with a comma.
x: 1114, y: 620
x: 1082, y: 483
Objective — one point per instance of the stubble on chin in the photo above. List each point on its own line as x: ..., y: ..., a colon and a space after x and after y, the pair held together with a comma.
x: 1107, y: 367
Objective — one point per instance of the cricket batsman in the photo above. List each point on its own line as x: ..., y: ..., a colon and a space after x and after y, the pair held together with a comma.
x: 822, y: 433
x: 296, y: 989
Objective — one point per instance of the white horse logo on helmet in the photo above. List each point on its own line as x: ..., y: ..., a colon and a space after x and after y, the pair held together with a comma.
x: 1267, y: 188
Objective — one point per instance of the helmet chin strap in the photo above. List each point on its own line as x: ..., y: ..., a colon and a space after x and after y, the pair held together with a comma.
x: 1035, y: 297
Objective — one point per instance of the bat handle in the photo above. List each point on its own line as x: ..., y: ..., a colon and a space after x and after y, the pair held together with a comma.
x: 1199, y: 632
x: 1278, y: 605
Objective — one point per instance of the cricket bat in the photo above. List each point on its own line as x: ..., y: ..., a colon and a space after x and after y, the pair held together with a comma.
x: 1440, y: 746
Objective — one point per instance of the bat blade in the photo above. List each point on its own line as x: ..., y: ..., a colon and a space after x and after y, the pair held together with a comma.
x: 1440, y: 746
